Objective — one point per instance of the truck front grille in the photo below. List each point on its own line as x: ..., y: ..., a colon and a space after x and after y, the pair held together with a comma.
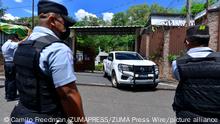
x: 144, y: 69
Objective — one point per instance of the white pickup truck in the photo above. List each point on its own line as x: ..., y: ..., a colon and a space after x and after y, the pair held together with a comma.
x: 126, y: 67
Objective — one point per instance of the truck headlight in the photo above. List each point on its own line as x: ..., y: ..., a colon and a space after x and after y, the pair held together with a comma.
x: 156, y: 70
x: 123, y: 67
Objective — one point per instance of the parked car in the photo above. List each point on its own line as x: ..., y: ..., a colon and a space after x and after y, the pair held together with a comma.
x: 126, y: 67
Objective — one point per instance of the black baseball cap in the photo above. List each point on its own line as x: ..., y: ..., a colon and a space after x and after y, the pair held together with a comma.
x: 197, y: 32
x: 46, y: 6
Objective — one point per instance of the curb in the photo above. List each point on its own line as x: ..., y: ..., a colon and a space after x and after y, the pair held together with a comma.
x: 169, y: 81
x: 94, y: 84
x: 2, y: 78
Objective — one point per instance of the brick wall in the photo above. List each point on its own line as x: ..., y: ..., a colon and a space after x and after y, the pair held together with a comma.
x: 160, y: 44
x: 213, y: 23
x: 177, y: 37
x: 156, y: 43
x: 143, y: 45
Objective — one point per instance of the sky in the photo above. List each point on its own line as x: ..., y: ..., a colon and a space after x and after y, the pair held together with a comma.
x: 78, y: 9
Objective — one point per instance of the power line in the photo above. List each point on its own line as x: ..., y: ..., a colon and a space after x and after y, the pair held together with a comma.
x: 26, y: 6
x: 19, y: 7
x: 171, y: 3
x: 116, y: 7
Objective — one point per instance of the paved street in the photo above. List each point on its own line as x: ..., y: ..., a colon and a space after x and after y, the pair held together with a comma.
x: 98, y: 79
x: 126, y: 106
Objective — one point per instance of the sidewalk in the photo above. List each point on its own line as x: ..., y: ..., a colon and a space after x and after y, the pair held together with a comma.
x: 2, y: 83
x: 2, y: 79
x: 162, y: 80
x: 169, y: 81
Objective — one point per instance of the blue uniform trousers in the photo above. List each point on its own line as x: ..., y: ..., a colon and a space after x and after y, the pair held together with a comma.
x: 10, y: 81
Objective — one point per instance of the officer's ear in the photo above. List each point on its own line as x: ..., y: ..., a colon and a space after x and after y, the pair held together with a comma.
x: 52, y: 20
x: 45, y: 19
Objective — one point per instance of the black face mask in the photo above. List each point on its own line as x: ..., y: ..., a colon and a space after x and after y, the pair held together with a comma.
x: 65, y: 35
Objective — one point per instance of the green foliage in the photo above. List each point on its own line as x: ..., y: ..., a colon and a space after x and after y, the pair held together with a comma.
x: 106, y: 43
x: 138, y: 14
x: 156, y: 56
x: 89, y: 21
x: 171, y: 57
x: 29, y: 20
x: 99, y: 67
x: 2, y: 9
x: 135, y: 15
x: 198, y: 6
x: 119, y: 19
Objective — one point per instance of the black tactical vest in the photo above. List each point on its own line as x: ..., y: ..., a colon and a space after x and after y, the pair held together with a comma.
x: 199, y: 87
x: 36, y: 89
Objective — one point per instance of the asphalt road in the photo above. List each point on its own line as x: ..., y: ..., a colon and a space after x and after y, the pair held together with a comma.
x: 97, y: 79
x: 104, y: 104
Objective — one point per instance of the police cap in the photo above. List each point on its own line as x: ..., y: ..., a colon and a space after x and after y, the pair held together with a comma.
x: 197, y: 33
x: 46, y: 6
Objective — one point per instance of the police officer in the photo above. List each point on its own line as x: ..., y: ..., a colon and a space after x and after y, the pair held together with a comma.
x: 8, y: 49
x: 45, y: 75
x: 197, y: 97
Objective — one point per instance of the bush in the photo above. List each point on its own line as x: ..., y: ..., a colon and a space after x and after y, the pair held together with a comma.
x: 171, y: 57
x: 99, y: 67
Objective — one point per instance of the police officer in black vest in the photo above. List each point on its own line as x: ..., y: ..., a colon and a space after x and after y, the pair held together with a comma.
x: 8, y: 49
x: 197, y: 98
x: 44, y: 72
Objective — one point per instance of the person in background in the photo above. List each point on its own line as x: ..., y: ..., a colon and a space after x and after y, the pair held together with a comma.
x: 44, y: 71
x: 8, y: 49
x: 197, y: 96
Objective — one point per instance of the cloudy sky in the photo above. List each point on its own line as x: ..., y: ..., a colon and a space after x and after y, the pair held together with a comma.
x: 78, y: 9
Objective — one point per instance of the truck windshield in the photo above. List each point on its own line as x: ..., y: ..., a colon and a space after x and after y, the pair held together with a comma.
x: 127, y: 56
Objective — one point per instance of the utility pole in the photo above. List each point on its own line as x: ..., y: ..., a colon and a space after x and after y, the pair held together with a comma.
x: 188, y: 15
x: 207, y: 5
x: 206, y: 9
x: 32, y: 14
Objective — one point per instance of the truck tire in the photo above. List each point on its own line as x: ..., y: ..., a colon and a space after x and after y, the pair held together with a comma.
x: 153, y: 87
x: 114, y: 80
x: 105, y: 74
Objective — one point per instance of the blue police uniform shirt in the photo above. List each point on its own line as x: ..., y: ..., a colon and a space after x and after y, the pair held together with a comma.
x: 198, y: 52
x: 58, y: 56
x: 8, y: 49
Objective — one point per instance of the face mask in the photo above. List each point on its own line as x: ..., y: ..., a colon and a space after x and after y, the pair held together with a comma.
x: 65, y: 35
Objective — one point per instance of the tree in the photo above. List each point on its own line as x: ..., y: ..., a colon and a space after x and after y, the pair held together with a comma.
x: 197, y: 6
x: 29, y: 20
x: 89, y: 21
x: 2, y: 9
x: 155, y: 8
x: 138, y: 14
x: 135, y: 15
x: 119, y: 19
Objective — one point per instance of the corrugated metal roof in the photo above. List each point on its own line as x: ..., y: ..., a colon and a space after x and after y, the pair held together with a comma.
x: 106, y: 30
x: 132, y: 26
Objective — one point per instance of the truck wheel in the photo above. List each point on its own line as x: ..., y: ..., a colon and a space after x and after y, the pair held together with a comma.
x: 114, y: 80
x: 105, y: 74
x: 153, y: 87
